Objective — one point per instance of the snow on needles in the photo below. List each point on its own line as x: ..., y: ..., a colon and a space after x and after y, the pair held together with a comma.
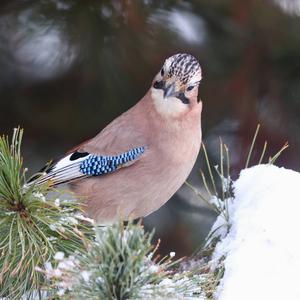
x: 262, y: 248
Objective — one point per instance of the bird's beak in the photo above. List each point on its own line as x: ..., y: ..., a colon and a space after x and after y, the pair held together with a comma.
x: 169, y: 90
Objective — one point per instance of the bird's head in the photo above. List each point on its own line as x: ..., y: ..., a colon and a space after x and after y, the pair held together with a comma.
x: 175, y: 88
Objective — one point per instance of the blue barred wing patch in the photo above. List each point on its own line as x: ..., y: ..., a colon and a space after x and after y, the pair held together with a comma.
x: 96, y: 165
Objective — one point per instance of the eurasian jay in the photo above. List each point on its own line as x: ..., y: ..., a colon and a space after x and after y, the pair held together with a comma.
x: 136, y: 163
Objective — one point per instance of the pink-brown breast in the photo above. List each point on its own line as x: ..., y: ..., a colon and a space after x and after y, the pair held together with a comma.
x: 143, y: 187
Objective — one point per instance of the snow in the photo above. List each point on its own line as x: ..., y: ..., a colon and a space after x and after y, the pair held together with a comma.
x: 39, y: 196
x: 262, y: 248
x: 153, y: 268
x: 83, y: 218
x: 67, y: 264
x: 57, y: 202
x: 59, y: 255
x: 176, y: 288
x: 172, y: 254
x: 86, y: 275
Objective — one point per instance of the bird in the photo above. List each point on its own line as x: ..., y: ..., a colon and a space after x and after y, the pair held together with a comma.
x: 139, y: 160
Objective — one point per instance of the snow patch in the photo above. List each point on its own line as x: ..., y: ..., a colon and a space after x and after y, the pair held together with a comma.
x: 172, y: 254
x: 262, y: 248
x: 59, y: 255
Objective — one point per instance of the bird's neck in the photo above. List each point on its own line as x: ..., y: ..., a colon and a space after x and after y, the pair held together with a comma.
x: 169, y: 124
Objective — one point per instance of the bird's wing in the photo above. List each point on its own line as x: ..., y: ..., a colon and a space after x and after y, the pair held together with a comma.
x: 119, y: 145
x: 78, y: 165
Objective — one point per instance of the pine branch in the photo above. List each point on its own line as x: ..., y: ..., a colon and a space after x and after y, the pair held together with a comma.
x: 32, y: 229
x: 122, y: 265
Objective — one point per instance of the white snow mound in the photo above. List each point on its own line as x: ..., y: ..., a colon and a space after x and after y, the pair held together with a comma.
x: 262, y: 249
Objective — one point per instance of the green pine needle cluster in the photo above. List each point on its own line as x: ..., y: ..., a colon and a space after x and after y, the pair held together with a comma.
x: 121, y: 265
x: 32, y: 229
x: 117, y: 264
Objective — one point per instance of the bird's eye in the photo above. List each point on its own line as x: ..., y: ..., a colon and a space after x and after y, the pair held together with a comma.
x: 190, y: 88
x: 162, y: 72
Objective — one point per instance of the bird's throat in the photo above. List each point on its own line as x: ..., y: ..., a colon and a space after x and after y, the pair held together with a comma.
x: 171, y: 107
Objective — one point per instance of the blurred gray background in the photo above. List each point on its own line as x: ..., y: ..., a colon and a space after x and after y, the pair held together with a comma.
x: 67, y: 68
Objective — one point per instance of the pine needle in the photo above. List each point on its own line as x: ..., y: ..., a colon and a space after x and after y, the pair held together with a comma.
x: 252, y: 146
